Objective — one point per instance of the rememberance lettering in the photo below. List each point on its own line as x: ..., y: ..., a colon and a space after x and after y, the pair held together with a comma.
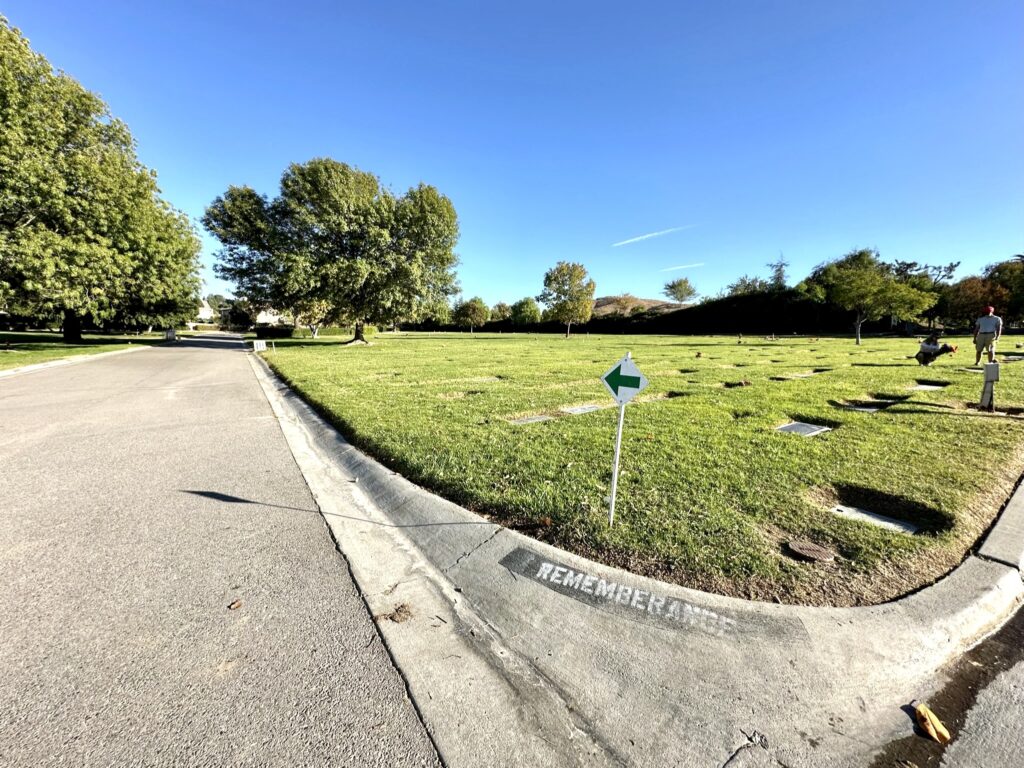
x: 665, y: 608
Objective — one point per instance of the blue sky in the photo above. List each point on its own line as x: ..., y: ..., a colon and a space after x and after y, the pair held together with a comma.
x: 558, y: 129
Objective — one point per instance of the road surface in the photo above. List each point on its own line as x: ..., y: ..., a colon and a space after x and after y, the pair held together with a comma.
x: 141, y: 496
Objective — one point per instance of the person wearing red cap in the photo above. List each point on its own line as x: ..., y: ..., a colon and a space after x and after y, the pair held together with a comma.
x: 987, y: 330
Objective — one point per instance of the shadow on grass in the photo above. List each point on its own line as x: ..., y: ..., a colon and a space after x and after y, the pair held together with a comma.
x: 818, y: 421
x: 927, y: 519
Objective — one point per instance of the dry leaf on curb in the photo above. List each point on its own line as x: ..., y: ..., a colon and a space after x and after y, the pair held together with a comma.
x: 235, y: 605
x: 931, y: 724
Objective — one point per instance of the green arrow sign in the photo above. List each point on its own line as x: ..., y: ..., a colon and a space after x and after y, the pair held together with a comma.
x: 616, y: 379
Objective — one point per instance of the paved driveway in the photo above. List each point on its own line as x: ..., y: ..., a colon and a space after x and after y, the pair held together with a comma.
x: 140, y: 496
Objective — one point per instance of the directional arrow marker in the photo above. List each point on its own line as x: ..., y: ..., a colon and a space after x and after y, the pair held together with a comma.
x: 616, y: 379
x: 624, y: 381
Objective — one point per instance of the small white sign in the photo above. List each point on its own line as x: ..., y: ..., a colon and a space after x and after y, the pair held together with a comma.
x: 259, y: 346
x: 624, y: 380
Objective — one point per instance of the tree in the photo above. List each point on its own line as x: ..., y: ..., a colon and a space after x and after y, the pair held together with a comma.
x: 924, y: 277
x: 568, y: 294
x: 964, y: 300
x: 216, y: 301
x: 525, y: 312
x: 83, y: 231
x: 471, y: 314
x: 861, y: 283
x: 337, y: 247
x: 680, y: 290
x: 744, y: 286
x: 501, y: 311
x: 238, y: 313
x: 777, y: 281
x: 1009, y: 275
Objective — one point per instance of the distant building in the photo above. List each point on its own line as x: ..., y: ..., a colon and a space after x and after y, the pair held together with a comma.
x: 205, y: 313
x: 269, y: 317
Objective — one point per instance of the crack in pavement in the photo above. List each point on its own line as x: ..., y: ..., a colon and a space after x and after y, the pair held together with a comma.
x: 465, y: 555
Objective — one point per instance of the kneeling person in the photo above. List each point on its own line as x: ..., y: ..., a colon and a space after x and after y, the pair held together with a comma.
x: 931, y: 350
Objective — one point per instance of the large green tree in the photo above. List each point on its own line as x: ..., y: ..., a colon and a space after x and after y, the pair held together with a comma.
x: 83, y: 232
x: 861, y: 283
x: 334, y: 246
x: 568, y: 294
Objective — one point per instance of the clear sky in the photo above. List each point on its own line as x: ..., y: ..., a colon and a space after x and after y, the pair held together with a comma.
x: 561, y: 128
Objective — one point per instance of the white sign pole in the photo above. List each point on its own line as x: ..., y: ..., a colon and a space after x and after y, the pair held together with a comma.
x: 615, y: 468
x: 623, y: 382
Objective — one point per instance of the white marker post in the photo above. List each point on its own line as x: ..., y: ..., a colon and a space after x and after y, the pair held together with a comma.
x: 624, y: 381
x: 988, y: 394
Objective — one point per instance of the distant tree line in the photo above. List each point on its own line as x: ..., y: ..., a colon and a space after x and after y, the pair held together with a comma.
x: 852, y: 292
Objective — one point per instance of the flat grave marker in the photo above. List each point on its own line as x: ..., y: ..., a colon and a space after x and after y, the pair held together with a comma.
x: 532, y: 419
x: 803, y: 429
x: 872, y: 518
x: 579, y: 410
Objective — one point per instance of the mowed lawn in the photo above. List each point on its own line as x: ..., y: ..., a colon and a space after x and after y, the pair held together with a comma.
x: 27, y: 348
x: 710, y: 494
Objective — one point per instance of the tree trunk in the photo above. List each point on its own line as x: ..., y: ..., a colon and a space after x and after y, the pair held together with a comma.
x: 358, y: 335
x: 314, y: 331
x: 72, y: 328
x: 856, y: 326
x: 567, y: 327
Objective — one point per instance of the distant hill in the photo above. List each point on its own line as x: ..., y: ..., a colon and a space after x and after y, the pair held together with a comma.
x: 623, y: 305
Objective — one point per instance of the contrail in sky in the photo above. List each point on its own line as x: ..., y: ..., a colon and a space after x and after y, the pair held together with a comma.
x: 682, y: 266
x: 651, y: 234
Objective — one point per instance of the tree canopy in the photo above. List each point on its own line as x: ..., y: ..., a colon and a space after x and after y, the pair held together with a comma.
x: 568, y: 294
x: 680, y: 290
x: 745, y: 285
x: 501, y: 311
x: 471, y: 314
x: 84, y: 234
x: 334, y: 246
x: 861, y: 283
x: 525, y: 312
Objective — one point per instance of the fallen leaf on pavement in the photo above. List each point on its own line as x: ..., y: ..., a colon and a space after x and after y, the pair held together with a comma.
x: 931, y: 724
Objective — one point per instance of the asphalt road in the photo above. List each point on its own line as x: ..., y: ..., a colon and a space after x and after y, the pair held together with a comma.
x: 140, y: 496
x: 991, y: 736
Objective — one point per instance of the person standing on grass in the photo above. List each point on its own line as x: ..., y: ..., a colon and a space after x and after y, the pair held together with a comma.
x: 987, y: 330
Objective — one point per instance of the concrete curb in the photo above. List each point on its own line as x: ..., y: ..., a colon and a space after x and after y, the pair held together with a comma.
x: 825, y: 684
x: 70, y: 361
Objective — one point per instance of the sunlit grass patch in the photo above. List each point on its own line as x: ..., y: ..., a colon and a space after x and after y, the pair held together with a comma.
x: 710, y: 491
x: 19, y: 348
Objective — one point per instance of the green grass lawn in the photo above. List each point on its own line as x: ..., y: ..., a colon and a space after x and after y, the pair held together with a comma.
x: 26, y: 348
x: 710, y: 493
